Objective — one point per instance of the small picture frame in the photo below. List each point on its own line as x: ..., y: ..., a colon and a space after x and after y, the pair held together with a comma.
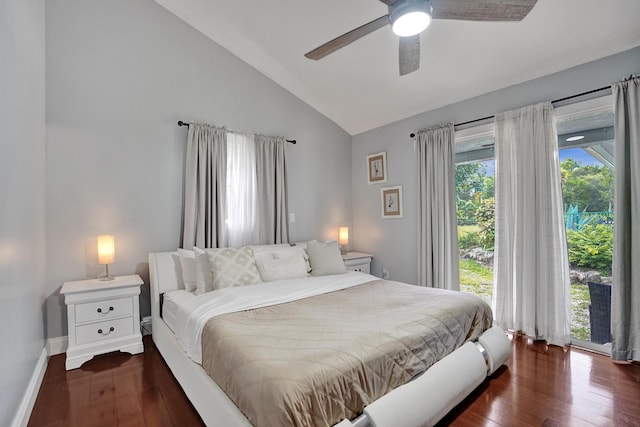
x: 391, y: 202
x: 377, y: 168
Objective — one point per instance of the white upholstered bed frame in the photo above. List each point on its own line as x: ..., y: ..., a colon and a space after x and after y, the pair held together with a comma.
x: 423, y: 401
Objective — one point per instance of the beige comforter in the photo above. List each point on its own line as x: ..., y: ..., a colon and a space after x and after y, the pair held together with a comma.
x: 316, y: 361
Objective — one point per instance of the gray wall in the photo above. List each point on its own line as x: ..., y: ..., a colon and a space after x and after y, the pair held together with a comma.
x: 120, y: 74
x: 22, y: 187
x: 393, y: 241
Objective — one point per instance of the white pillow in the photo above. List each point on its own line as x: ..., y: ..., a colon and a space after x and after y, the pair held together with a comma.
x: 293, y: 267
x: 261, y: 252
x: 233, y: 267
x: 289, y: 251
x: 325, y: 258
x: 204, y: 280
x: 188, y: 266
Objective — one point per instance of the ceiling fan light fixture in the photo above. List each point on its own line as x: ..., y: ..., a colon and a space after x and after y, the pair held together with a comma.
x: 410, y: 17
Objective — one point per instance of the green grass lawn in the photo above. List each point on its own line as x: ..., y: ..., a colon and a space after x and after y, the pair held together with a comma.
x: 477, y: 279
x: 466, y: 229
x: 580, y: 301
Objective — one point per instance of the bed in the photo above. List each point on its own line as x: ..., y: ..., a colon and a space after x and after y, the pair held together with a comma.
x: 425, y: 379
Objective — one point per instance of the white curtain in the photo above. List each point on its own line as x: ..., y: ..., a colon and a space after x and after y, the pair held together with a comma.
x: 531, y: 267
x: 242, y: 190
x: 205, y: 187
x: 271, y: 168
x: 437, y: 220
x: 625, y: 292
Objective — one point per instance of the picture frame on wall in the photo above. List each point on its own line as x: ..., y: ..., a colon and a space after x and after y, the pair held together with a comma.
x: 391, y: 202
x: 377, y: 168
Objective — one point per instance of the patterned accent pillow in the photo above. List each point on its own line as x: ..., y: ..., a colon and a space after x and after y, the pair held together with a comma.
x: 233, y: 267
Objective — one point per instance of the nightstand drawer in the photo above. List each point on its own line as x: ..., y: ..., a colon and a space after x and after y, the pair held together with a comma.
x: 103, y: 310
x: 362, y: 268
x: 101, y: 331
x: 357, y: 261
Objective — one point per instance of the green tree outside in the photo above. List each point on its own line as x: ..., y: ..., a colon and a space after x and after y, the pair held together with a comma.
x: 588, y: 187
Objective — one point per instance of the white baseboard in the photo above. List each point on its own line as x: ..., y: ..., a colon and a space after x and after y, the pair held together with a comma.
x: 21, y: 418
x: 57, y: 345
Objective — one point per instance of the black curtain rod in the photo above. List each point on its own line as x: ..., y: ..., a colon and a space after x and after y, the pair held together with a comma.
x: 555, y: 101
x: 181, y: 123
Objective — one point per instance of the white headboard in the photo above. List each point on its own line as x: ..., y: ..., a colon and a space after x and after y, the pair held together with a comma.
x: 165, y: 274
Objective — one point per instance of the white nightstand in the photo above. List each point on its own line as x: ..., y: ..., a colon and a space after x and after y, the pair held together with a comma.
x: 103, y: 316
x: 356, y: 261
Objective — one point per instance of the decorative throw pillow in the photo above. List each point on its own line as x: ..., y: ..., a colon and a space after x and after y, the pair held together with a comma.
x: 233, y: 267
x: 289, y: 251
x: 188, y: 266
x: 293, y: 267
x: 325, y: 258
x: 204, y: 279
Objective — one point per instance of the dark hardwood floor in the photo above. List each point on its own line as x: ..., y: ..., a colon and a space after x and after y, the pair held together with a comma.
x: 539, y: 386
x: 115, y: 389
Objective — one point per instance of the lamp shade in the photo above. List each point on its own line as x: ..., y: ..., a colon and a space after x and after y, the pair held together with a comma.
x: 344, y: 235
x: 106, y: 249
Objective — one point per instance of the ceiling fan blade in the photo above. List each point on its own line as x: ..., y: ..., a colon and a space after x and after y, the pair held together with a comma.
x: 345, y: 39
x: 409, y: 57
x: 482, y: 10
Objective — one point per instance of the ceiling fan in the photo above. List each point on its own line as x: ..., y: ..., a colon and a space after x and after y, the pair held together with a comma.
x: 408, y: 18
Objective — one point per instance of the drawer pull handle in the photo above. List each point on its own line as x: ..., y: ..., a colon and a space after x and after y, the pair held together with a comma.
x: 111, y: 329
x: 110, y: 309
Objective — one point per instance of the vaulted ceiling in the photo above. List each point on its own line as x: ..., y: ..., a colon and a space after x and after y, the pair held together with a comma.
x: 359, y: 88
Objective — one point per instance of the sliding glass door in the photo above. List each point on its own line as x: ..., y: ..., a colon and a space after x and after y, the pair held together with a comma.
x: 585, y: 139
x: 475, y: 206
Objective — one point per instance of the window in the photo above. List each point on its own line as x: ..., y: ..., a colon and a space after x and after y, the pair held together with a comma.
x: 242, y: 197
x: 475, y: 205
x: 585, y: 141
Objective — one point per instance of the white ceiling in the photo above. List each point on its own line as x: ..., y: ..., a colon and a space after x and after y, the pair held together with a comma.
x: 358, y: 87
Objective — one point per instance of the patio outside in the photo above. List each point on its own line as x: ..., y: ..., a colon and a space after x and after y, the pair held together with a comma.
x: 588, y: 198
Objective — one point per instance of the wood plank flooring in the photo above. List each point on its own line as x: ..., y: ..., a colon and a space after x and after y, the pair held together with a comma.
x: 539, y: 386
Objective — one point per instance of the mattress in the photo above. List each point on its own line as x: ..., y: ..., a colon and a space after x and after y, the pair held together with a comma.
x: 317, y: 360
x: 171, y: 301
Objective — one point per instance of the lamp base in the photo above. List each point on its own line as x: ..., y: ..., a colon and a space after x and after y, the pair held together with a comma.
x: 343, y: 249
x: 106, y: 276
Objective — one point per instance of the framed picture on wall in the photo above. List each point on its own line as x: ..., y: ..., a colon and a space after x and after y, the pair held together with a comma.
x: 377, y: 168
x: 391, y: 201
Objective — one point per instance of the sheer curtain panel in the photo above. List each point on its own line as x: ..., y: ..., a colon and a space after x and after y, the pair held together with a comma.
x: 625, y: 293
x: 531, y: 267
x: 242, y: 190
x: 272, y: 189
x: 437, y: 220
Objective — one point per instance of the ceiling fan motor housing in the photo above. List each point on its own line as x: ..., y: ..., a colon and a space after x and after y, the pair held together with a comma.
x: 401, y: 8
